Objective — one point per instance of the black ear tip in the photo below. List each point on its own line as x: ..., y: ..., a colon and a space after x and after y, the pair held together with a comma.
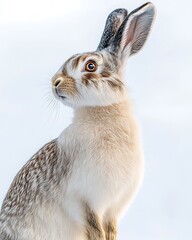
x: 147, y: 4
x: 149, y: 7
x: 119, y: 11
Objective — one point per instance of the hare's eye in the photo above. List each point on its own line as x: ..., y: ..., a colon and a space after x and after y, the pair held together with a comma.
x: 91, y: 66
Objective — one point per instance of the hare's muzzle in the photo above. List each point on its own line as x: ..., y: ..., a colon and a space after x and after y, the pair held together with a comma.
x: 57, y: 87
x: 63, y: 86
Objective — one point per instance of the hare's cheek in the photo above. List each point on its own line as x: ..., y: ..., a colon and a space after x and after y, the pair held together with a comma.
x: 115, y: 85
x: 69, y: 87
x: 90, y: 79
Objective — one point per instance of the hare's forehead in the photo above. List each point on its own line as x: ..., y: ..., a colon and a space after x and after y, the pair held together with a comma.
x: 79, y: 60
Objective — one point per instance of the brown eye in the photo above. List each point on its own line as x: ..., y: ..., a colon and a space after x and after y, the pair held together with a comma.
x: 91, y: 66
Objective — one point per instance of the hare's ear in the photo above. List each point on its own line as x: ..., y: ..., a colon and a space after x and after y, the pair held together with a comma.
x: 113, y: 22
x: 133, y: 32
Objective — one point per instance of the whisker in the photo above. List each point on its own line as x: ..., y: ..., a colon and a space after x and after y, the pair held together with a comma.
x: 52, y: 106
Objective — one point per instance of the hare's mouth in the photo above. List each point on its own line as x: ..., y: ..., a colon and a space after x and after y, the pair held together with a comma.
x: 62, y: 97
x: 58, y: 94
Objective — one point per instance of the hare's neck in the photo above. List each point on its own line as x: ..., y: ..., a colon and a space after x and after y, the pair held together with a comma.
x: 103, y: 113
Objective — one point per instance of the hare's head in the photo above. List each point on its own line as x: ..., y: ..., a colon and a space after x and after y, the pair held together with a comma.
x: 95, y: 78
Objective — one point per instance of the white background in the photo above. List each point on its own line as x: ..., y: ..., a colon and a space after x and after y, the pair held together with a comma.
x: 37, y: 36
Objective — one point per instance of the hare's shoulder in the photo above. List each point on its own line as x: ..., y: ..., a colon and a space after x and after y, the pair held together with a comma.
x: 36, y: 178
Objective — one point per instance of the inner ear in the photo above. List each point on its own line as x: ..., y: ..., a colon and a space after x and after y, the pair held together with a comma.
x: 134, y: 31
x: 129, y: 34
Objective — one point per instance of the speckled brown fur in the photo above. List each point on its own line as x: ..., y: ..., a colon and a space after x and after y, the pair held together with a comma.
x: 90, y: 78
x: 110, y: 230
x: 94, y: 230
x: 75, y: 62
x: 115, y: 84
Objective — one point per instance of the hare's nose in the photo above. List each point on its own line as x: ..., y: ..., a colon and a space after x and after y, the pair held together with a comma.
x: 57, y: 82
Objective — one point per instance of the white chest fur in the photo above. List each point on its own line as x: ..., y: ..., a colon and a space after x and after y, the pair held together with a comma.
x: 107, y: 164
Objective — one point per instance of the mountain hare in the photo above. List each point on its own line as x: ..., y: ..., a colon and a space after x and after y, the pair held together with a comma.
x: 77, y: 186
